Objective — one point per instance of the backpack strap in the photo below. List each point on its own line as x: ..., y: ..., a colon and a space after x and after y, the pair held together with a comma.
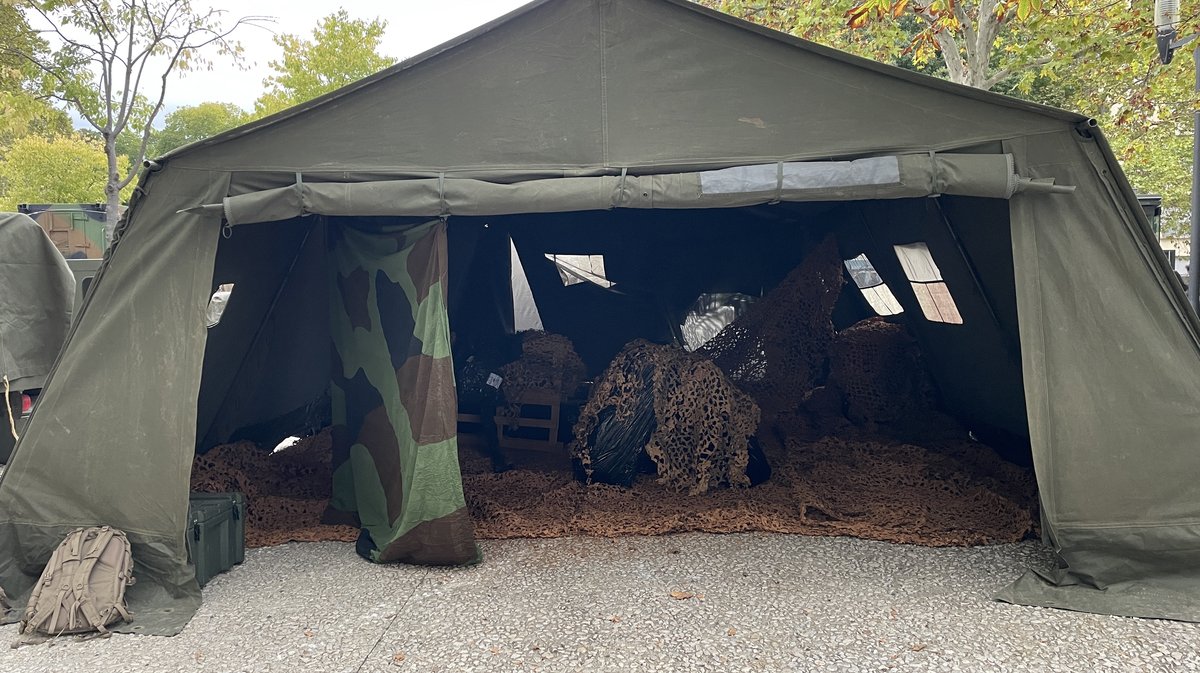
x: 83, y: 601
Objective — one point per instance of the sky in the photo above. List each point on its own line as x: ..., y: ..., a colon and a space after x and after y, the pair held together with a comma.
x: 413, y: 26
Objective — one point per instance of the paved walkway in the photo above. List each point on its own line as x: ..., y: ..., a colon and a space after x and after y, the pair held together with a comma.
x: 750, y: 602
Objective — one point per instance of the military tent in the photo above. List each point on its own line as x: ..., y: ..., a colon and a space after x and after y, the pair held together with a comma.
x: 36, y: 291
x: 696, y: 153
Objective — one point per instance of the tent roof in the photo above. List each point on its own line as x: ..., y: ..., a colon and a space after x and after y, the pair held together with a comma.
x: 588, y: 86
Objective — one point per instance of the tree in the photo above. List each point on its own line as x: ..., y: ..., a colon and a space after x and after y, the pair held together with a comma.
x: 342, y: 50
x: 196, y: 122
x: 68, y: 169
x: 112, y: 62
x: 22, y: 107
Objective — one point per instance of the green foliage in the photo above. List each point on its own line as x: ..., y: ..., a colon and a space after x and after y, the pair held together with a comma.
x: 196, y: 122
x: 67, y: 169
x: 22, y: 109
x: 111, y: 64
x: 342, y: 50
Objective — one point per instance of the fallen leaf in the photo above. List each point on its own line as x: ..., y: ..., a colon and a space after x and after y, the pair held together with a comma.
x: 615, y: 619
x: 682, y: 595
x: 308, y: 633
x: 918, y: 647
x: 732, y: 631
x: 398, y: 658
x: 494, y: 649
x: 198, y: 656
x: 535, y: 648
x: 699, y: 597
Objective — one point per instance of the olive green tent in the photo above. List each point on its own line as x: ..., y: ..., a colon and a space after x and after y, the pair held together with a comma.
x: 692, y: 153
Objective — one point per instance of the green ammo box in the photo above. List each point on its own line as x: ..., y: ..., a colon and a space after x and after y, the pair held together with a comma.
x: 216, y: 535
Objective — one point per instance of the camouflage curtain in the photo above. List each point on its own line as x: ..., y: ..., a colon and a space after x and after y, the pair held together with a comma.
x: 395, y: 447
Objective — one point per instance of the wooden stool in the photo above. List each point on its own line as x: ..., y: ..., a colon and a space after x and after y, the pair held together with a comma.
x: 532, y: 398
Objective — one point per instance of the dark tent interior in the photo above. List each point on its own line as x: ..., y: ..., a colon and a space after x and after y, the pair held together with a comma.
x: 267, y: 361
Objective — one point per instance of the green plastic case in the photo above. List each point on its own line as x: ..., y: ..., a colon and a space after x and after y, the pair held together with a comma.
x: 216, y: 535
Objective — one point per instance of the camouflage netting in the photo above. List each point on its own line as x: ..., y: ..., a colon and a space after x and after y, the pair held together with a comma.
x: 947, y: 494
x: 703, y: 422
x: 877, y: 366
x: 950, y: 494
x: 548, y: 363
x: 778, y: 350
x: 286, y: 491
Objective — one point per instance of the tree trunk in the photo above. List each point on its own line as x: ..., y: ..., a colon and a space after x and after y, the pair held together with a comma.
x: 112, y: 191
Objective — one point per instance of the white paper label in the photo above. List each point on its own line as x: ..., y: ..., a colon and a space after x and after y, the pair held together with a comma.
x: 494, y: 380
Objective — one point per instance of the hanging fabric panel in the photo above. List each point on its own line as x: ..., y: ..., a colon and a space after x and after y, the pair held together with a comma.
x: 394, y: 408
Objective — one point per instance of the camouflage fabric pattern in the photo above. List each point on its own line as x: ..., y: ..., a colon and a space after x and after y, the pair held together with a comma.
x: 395, y: 445
x: 77, y: 229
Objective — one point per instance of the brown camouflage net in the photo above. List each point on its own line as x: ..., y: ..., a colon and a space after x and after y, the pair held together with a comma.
x: 704, y: 422
x: 947, y: 494
x: 548, y: 363
x: 778, y: 350
x: 877, y: 366
x: 951, y: 494
x: 286, y: 491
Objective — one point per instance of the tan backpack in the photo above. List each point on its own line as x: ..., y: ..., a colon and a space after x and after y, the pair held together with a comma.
x: 83, y: 586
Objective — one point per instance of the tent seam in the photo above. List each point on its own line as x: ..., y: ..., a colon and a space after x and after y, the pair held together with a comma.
x: 603, y: 85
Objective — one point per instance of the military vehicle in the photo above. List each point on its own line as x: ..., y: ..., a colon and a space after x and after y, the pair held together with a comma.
x: 77, y: 229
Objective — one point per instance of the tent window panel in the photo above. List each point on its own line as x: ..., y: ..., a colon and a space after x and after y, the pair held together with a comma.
x: 931, y: 291
x: 874, y: 290
x: 882, y: 300
x: 936, y: 303
x: 918, y: 263
x: 575, y: 269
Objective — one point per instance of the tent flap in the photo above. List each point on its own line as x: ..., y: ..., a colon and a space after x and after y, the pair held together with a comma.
x: 1111, y: 389
x: 889, y: 177
x: 395, y: 444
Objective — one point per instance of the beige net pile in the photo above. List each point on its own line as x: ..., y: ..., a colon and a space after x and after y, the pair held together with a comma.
x: 548, y: 364
x: 701, y: 439
x: 286, y: 491
x: 778, y: 350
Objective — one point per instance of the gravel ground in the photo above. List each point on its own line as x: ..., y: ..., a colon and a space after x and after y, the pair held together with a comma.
x: 747, y: 602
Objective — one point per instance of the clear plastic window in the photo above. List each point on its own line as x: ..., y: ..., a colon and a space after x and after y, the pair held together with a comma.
x: 575, y: 269
x: 217, y: 304
x: 930, y: 289
x: 876, y: 292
